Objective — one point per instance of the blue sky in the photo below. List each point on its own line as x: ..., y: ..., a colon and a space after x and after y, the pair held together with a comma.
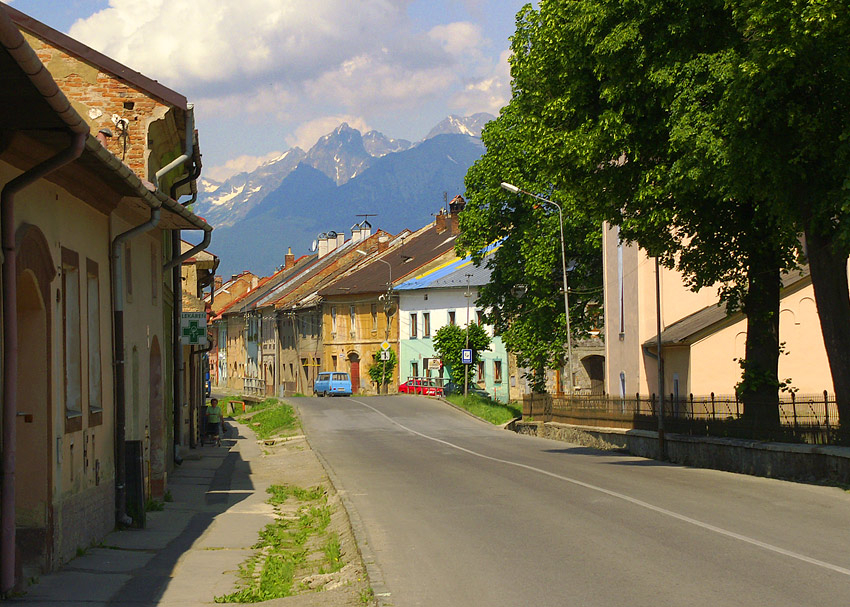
x: 266, y: 75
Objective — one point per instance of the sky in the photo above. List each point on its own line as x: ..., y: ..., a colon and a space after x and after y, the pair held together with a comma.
x: 267, y: 75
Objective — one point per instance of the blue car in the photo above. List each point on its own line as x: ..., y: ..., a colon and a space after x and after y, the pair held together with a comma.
x: 336, y: 383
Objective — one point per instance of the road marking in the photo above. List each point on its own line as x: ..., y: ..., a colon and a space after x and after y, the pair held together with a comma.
x: 626, y: 498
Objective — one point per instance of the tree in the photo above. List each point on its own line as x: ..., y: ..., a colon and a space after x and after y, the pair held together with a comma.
x: 449, y: 340
x: 381, y: 371
x: 608, y: 94
x: 525, y: 293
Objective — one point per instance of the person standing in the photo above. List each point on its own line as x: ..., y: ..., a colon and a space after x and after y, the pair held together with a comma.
x: 213, y: 420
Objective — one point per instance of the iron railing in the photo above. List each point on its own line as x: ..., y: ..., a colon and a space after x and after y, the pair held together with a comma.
x: 810, y: 418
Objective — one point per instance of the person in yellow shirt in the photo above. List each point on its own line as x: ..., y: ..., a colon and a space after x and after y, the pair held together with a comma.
x: 213, y: 418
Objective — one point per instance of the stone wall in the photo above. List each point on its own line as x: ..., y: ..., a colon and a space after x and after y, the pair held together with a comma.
x: 83, y: 519
x: 774, y: 460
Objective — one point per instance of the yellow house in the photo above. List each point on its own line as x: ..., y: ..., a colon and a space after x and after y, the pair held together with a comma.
x: 700, y: 341
x: 85, y: 242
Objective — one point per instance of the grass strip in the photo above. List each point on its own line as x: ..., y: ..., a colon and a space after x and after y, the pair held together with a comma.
x: 282, y: 547
x: 486, y: 408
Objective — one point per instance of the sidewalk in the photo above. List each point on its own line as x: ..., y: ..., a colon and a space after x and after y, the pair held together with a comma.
x: 190, y: 552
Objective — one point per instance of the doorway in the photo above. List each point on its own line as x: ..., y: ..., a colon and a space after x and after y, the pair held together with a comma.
x: 156, y: 422
x: 354, y: 359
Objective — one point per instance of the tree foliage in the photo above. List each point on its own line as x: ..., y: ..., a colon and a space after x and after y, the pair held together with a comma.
x: 711, y: 132
x: 381, y: 371
x: 449, y: 340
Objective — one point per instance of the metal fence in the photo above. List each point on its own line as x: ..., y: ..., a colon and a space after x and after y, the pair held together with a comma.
x: 811, y: 418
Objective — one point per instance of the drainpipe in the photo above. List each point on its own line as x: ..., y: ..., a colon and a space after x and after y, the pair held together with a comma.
x: 190, y: 143
x: 10, y: 346
x: 121, y: 516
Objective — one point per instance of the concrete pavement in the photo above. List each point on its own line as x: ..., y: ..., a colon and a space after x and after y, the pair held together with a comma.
x: 189, y: 553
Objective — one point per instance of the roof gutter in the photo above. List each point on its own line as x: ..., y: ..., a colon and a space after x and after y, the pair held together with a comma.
x: 14, y: 43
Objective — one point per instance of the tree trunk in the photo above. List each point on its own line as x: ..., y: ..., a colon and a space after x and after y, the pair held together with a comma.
x: 832, y: 297
x: 760, y: 384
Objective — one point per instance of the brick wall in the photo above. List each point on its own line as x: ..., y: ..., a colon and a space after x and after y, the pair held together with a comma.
x: 98, y: 96
x: 83, y: 519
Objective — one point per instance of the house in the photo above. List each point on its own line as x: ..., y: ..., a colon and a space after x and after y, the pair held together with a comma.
x: 352, y: 331
x: 701, y: 343
x: 298, y: 310
x: 446, y: 295
x: 223, y: 294
x: 88, y: 308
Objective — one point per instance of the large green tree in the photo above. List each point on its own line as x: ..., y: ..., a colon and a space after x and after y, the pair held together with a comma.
x: 615, y: 106
x: 449, y: 340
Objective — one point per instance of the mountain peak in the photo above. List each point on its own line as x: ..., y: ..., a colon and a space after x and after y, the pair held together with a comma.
x: 461, y: 125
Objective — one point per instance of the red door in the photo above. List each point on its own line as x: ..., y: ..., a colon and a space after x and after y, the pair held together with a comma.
x: 355, y: 376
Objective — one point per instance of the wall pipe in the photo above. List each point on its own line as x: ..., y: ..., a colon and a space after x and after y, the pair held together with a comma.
x: 189, y: 146
x: 10, y: 345
x: 121, y: 516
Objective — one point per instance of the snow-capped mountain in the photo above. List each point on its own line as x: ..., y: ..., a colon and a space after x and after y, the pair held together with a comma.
x: 340, y: 155
x: 461, y: 125
x: 288, y: 200
x: 223, y: 204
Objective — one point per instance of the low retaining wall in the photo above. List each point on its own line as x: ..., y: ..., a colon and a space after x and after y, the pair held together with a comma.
x: 774, y: 460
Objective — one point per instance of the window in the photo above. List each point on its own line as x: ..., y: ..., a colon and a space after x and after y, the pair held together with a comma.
x: 72, y: 339
x: 306, y: 367
x: 480, y: 371
x: 620, y: 288
x: 452, y: 317
x: 374, y: 317
x: 414, y: 369
x: 93, y: 338
x: 426, y: 367
x: 333, y: 362
x: 426, y: 324
x: 497, y: 371
x: 479, y: 317
x: 333, y: 319
x: 413, y: 323
x: 352, y: 317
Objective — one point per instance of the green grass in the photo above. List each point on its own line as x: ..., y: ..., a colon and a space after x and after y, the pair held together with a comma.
x: 270, y: 418
x: 282, y: 548
x: 487, y: 409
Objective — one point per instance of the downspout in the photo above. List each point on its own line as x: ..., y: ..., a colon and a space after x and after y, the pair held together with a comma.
x: 121, y: 516
x: 10, y: 346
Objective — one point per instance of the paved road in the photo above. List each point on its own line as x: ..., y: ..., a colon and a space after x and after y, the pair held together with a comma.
x: 454, y: 512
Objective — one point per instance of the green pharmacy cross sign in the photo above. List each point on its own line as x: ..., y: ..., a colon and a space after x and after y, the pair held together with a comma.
x: 193, y: 328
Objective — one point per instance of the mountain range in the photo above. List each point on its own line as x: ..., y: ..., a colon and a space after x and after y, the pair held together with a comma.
x: 289, y: 200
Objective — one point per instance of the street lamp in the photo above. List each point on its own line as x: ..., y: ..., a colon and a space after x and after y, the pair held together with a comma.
x: 387, y: 307
x: 515, y: 190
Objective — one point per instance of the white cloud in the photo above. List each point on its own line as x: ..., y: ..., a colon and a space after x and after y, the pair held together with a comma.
x: 309, y: 133
x: 488, y: 94
x: 238, y: 165
x: 255, y: 104
x: 459, y: 38
x: 222, y: 40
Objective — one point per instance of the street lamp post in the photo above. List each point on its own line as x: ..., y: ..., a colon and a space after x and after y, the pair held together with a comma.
x: 515, y: 190
x: 387, y: 306
x: 466, y: 368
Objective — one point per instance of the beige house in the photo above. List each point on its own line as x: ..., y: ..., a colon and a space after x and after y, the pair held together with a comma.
x: 700, y: 342
x: 86, y: 243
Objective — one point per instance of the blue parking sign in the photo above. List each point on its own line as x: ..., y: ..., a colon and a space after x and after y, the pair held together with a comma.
x: 466, y: 356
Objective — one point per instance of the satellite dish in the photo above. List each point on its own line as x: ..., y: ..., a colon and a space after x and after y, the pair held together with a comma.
x: 314, y: 246
x: 331, y: 234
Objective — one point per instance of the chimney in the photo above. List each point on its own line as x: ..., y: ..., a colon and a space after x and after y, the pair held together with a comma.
x: 254, y: 282
x: 234, y: 276
x: 340, y: 239
x: 365, y: 230
x: 383, y: 244
x: 217, y: 283
x: 323, y: 245
x: 355, y: 233
x: 289, y: 259
x: 455, y: 207
x: 441, y: 222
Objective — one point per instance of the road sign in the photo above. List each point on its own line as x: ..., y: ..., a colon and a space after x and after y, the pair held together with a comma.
x: 385, y: 355
x: 466, y: 356
x: 385, y: 346
x: 193, y: 328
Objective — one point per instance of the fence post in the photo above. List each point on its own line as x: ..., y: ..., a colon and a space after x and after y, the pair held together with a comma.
x: 637, y: 403
x: 652, y: 404
x: 712, y: 406
x: 737, y: 410
x: 794, y: 411
x: 826, y: 409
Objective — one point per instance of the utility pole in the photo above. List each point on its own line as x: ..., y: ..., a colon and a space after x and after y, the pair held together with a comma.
x: 466, y: 368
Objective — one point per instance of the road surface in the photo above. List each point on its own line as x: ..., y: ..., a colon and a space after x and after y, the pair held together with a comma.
x: 451, y: 511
